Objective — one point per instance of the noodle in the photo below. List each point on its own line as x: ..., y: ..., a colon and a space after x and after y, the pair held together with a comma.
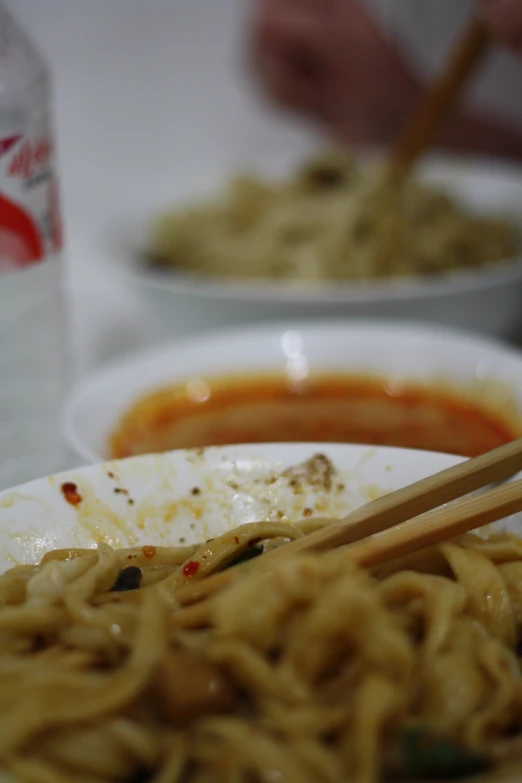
x: 332, y: 221
x: 311, y: 670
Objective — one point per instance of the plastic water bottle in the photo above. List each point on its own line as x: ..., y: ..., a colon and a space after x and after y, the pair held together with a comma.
x: 32, y: 322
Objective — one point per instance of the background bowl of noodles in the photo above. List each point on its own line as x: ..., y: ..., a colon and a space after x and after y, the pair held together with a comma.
x: 379, y: 383
x: 198, y: 255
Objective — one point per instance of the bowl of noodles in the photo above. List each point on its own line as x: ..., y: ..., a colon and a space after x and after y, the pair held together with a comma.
x: 411, y: 668
x: 328, y: 236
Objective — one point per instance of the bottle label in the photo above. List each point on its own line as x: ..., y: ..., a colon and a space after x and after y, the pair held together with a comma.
x: 30, y: 225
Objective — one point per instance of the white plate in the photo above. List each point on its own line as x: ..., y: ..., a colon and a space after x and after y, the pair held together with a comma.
x: 36, y: 517
x: 485, y: 300
x: 396, y: 350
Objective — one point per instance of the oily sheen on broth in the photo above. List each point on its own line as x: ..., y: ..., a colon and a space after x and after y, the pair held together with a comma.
x: 324, y: 408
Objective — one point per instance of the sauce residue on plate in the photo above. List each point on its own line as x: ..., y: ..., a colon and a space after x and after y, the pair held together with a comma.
x: 324, y: 408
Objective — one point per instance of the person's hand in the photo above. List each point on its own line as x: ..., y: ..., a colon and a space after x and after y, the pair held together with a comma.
x: 328, y: 60
x: 504, y: 19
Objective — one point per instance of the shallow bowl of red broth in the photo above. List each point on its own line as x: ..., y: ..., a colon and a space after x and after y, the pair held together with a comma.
x: 374, y: 383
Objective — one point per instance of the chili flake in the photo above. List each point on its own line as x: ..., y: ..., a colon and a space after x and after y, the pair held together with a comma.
x: 191, y: 568
x: 71, y: 494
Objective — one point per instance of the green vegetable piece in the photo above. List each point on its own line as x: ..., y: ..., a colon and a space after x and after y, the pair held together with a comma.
x: 430, y: 756
x: 248, y: 554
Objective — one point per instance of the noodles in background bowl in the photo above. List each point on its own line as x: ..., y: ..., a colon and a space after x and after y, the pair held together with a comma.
x: 334, y: 220
x: 312, y: 671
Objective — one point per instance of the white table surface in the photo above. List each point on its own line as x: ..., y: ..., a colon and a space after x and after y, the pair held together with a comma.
x: 147, y: 93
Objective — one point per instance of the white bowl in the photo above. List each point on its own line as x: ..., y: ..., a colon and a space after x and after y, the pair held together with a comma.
x: 173, y: 303
x: 399, y: 351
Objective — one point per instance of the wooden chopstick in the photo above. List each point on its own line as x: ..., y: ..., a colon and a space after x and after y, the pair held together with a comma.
x: 439, y: 525
x: 415, y: 499
x: 386, y: 512
x: 439, y: 100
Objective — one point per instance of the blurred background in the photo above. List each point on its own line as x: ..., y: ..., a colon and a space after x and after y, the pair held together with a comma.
x: 157, y: 102
x: 159, y: 99
x: 152, y: 98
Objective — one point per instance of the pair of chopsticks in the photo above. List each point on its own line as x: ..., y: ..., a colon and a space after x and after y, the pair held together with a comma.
x: 439, y: 99
x: 409, y: 520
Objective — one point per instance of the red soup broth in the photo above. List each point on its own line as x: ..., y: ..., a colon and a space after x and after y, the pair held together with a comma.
x: 326, y: 408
